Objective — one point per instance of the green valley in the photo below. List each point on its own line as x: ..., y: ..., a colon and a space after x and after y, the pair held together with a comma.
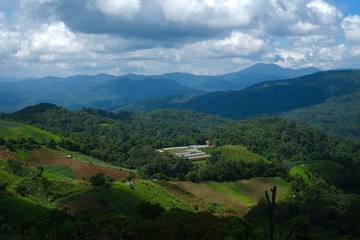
x: 91, y: 172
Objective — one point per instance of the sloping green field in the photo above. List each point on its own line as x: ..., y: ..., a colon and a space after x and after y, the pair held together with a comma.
x: 122, y: 199
x: 327, y: 169
x: 20, y: 208
x: 62, y: 171
x: 237, y: 196
x: 248, y: 192
x: 17, y: 130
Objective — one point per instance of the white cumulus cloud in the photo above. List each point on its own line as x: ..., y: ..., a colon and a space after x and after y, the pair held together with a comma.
x: 213, y: 13
x: 326, y: 12
x: 351, y: 26
x: 54, y: 39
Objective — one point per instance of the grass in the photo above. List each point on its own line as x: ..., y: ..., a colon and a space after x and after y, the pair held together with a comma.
x: 121, y: 199
x: 151, y: 192
x: 61, y: 171
x: 231, y: 190
x: 248, y: 192
x: 16, y: 130
x: 20, y: 208
x: 328, y: 170
x: 237, y: 196
x: 64, y: 187
x: 12, y: 179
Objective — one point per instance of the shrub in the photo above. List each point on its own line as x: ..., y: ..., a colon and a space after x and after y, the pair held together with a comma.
x: 15, y: 167
x: 3, y: 184
x: 22, y: 189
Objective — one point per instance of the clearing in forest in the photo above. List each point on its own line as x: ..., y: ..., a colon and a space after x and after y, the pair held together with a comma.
x: 81, y: 169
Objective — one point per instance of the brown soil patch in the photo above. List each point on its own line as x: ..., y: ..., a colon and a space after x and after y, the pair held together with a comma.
x: 5, y: 154
x: 81, y: 169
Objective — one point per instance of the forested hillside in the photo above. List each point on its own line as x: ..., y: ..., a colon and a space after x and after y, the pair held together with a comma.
x: 337, y: 116
x: 327, y: 100
x: 319, y: 200
x: 129, y: 140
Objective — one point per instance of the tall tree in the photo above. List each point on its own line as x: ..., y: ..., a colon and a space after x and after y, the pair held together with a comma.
x: 271, y: 210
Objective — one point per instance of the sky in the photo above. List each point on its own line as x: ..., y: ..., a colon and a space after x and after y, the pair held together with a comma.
x: 207, y: 37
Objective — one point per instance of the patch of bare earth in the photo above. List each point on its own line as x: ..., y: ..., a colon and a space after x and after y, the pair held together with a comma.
x: 81, y: 169
x: 5, y: 154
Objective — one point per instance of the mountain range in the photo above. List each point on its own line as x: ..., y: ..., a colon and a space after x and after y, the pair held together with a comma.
x: 324, y: 99
x: 257, y: 73
x: 110, y: 92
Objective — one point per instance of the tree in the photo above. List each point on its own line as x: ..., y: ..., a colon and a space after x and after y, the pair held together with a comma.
x: 271, y: 210
x: 109, y: 180
x: 98, y: 179
x: 36, y: 173
x: 149, y: 210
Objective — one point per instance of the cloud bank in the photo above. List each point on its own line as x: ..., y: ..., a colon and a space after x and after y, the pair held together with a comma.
x: 65, y: 37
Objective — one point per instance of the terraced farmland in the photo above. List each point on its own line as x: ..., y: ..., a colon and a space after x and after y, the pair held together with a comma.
x: 121, y: 199
x: 237, y: 153
x: 19, y: 208
x: 81, y: 169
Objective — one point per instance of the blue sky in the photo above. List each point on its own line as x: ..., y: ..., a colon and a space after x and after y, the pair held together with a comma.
x: 65, y: 37
x: 348, y: 7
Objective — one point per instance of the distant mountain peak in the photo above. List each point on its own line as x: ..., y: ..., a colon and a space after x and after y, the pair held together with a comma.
x: 270, y: 68
x: 262, y: 66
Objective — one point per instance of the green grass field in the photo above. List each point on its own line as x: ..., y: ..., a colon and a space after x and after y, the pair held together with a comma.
x: 327, y: 169
x: 17, y: 130
x: 237, y: 153
x: 248, y: 192
x: 61, y: 171
x: 237, y: 196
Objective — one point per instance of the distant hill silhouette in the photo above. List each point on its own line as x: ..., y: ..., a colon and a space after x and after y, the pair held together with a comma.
x: 109, y: 91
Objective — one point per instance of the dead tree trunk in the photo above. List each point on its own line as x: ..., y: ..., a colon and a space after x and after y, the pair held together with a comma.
x: 271, y: 211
